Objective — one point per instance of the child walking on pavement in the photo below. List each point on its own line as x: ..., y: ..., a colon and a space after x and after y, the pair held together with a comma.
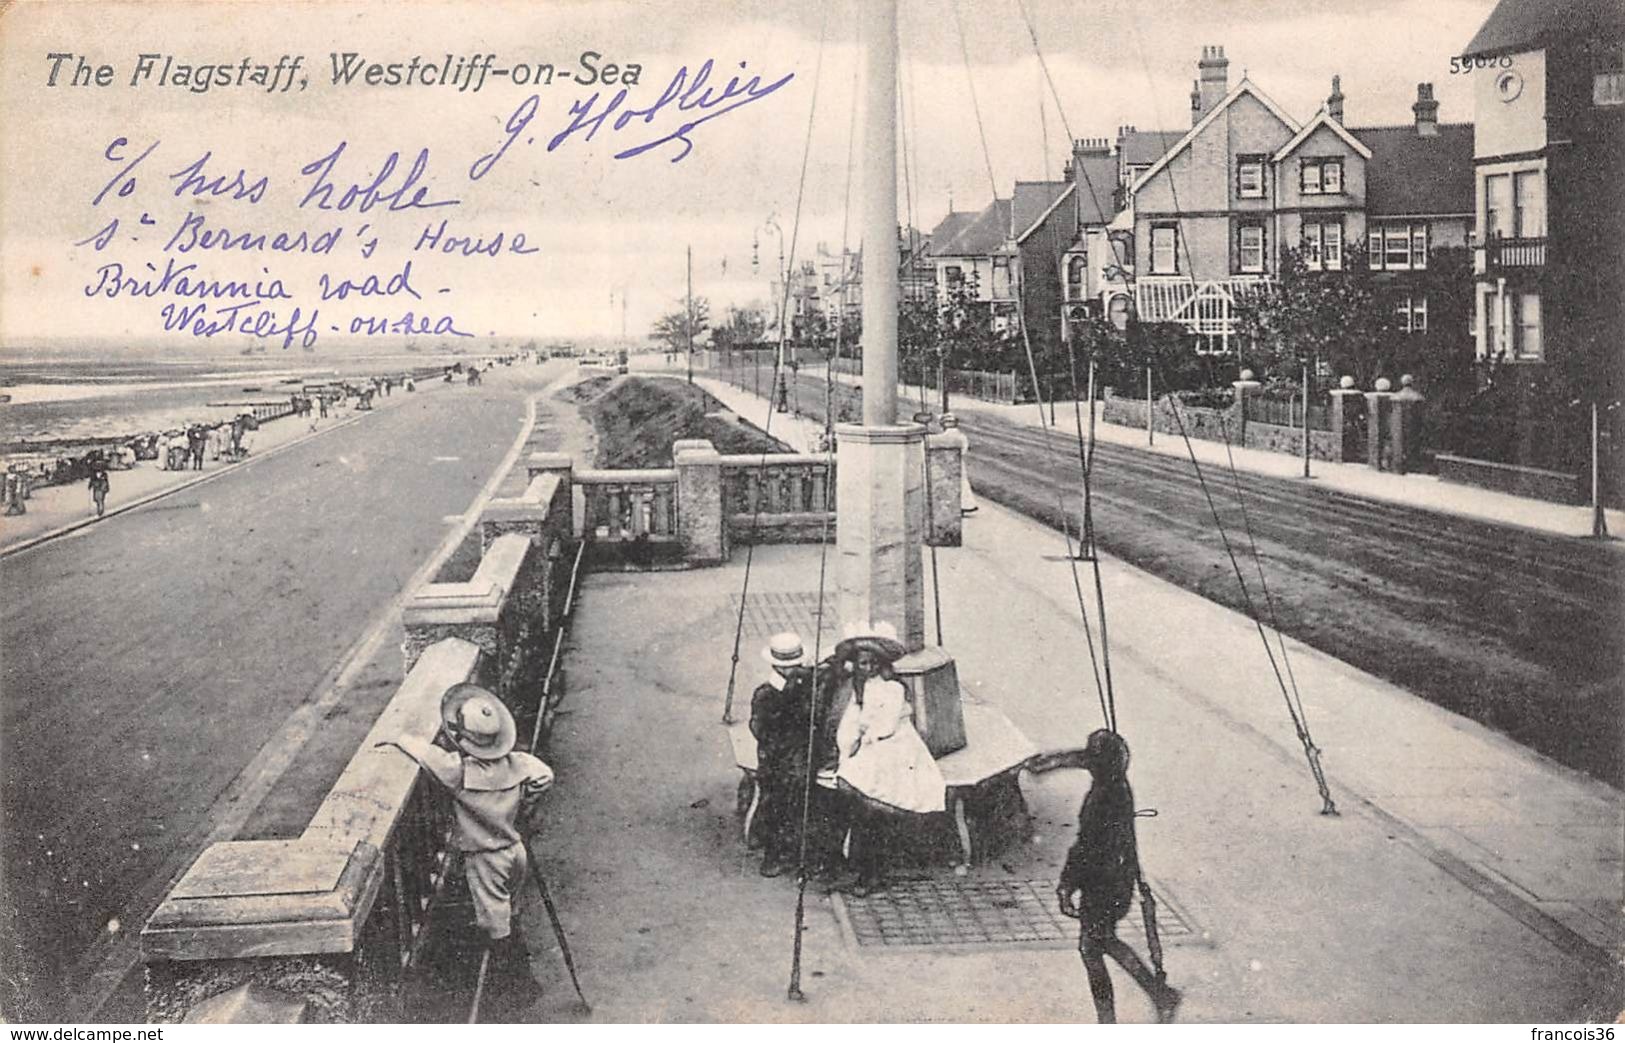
x: 1097, y: 883
x: 491, y: 785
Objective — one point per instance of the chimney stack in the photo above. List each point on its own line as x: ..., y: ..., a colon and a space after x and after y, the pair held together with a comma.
x: 1334, y: 101
x: 1427, y: 111
x: 1213, y: 81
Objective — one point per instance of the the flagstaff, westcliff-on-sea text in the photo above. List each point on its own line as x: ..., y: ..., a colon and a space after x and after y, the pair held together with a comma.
x: 466, y: 72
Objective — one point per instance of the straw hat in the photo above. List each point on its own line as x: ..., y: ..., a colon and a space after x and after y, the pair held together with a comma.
x: 785, y: 650
x: 879, y: 638
x: 477, y: 722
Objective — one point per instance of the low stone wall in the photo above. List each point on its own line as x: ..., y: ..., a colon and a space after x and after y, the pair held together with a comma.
x: 1554, y: 486
x: 1323, y: 445
x: 296, y: 916
x: 1199, y: 421
x: 329, y: 921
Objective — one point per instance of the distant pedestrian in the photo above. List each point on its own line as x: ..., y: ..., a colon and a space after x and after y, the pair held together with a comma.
x: 197, y: 442
x: 1097, y: 883
x: 322, y: 399
x: 99, y: 483
x: 491, y: 786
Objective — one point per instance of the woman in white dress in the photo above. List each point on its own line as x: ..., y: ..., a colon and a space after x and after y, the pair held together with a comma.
x: 884, y: 763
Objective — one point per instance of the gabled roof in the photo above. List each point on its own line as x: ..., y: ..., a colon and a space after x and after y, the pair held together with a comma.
x: 1412, y: 175
x: 1322, y: 119
x: 947, y: 228
x: 1146, y: 146
x: 1096, y: 177
x: 981, y: 237
x: 1525, y: 25
x: 1246, y: 86
x: 1032, y: 202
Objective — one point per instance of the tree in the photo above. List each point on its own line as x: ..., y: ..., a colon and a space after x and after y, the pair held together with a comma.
x: 680, y: 328
x: 1333, y: 317
x: 741, y: 326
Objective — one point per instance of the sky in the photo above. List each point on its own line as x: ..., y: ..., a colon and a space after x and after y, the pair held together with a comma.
x: 599, y: 231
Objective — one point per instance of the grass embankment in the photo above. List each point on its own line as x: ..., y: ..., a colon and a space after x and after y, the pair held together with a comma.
x: 637, y: 419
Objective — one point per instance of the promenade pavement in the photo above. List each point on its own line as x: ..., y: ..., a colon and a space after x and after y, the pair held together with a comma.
x: 1423, y: 491
x: 1466, y: 880
x: 54, y: 510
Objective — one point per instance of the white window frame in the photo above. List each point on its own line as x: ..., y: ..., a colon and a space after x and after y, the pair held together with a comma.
x: 1244, y: 164
x: 1608, y: 84
x: 1079, y: 262
x: 1520, y: 337
x: 1419, y: 245
x: 1396, y: 240
x: 1412, y: 310
x: 1322, y: 184
x: 1172, y: 232
x: 1493, y: 228
x: 1529, y: 214
x: 1242, y: 249
x: 1322, y: 239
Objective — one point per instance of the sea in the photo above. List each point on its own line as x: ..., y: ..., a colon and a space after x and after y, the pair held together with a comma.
x: 54, y: 403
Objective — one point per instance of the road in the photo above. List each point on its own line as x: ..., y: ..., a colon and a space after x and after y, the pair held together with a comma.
x: 1520, y: 631
x: 149, y: 657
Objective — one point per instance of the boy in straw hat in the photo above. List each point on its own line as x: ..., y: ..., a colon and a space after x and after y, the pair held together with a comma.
x: 781, y: 711
x: 491, y: 785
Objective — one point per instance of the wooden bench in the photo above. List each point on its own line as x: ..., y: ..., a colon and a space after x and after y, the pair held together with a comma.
x: 994, y: 749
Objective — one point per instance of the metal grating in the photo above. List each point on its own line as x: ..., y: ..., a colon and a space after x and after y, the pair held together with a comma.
x: 769, y: 613
x: 965, y: 913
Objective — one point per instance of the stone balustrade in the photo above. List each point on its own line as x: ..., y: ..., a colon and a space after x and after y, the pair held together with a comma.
x: 709, y: 501
x: 777, y: 497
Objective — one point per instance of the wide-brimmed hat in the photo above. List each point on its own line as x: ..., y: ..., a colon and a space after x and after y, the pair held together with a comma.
x: 477, y: 721
x: 878, y: 638
x: 785, y: 649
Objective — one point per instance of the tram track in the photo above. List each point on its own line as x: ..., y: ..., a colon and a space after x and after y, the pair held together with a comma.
x: 1519, y: 630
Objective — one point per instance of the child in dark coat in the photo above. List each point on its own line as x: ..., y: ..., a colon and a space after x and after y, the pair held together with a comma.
x: 1097, y: 883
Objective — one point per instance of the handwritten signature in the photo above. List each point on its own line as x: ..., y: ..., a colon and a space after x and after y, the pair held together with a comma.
x: 684, y: 94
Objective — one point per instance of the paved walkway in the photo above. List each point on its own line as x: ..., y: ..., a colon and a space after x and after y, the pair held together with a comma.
x: 1425, y: 491
x: 1467, y: 879
x: 55, y: 510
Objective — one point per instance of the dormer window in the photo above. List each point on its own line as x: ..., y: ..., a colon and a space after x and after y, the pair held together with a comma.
x: 1321, y: 177
x: 1250, y: 177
